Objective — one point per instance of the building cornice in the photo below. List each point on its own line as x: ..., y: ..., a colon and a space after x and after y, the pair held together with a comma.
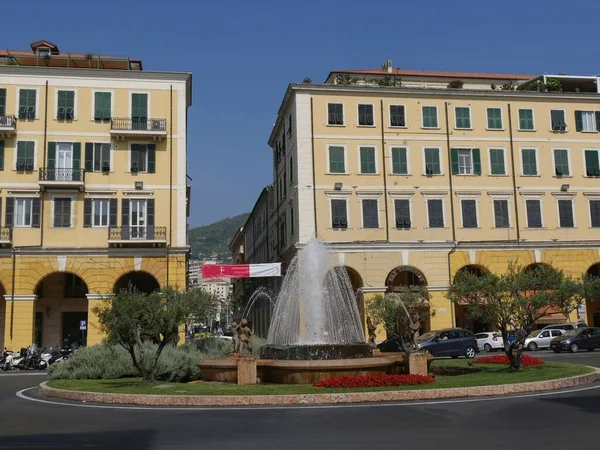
x: 20, y: 298
x: 94, y: 251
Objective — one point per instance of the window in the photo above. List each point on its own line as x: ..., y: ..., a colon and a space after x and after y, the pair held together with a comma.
x: 432, y: 161
x: 23, y: 212
x: 494, y: 118
x: 25, y: 155
x: 497, y: 166
x: 339, y: 214
x: 139, y: 111
x: 65, y: 109
x: 2, y: 102
x: 282, y: 234
x: 557, y: 120
x: 102, y: 105
x: 402, y: 208
x: 62, y: 213
x: 529, y: 161
x: 534, y: 213
x: 561, y: 163
x: 370, y: 213
x: 501, y: 213
x: 435, y: 210
x: 466, y: 161
x: 335, y: 114
x: 595, y: 213
x: 430, y: 119
x: 97, y: 157
x: 565, y: 213
x: 463, y: 116
x: 365, y: 115
x: 291, y: 169
x: 292, y: 221
x: 587, y: 120
x: 289, y: 130
x: 337, y: 163
x: 592, y: 165
x: 397, y: 117
x: 100, y: 212
x: 27, y: 100
x: 1, y: 155
x: 469, y: 213
x: 367, y: 160
x: 143, y: 158
x: 399, y: 161
x: 526, y: 119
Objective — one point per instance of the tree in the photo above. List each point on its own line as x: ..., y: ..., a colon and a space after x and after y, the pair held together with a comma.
x: 402, y: 314
x: 133, y: 318
x: 516, y: 300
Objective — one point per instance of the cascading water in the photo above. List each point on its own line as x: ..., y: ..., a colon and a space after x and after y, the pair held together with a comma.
x: 316, y: 315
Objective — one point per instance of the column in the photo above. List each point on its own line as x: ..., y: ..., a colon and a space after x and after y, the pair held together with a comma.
x: 19, y: 321
x: 94, y: 335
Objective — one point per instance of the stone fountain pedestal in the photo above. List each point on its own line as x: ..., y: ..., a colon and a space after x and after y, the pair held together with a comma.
x: 246, y: 370
x: 418, y: 363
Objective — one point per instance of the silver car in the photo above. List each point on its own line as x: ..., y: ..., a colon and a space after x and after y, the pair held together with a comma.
x: 541, y: 338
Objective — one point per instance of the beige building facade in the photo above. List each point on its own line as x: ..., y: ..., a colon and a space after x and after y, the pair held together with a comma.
x: 93, y: 189
x: 412, y: 176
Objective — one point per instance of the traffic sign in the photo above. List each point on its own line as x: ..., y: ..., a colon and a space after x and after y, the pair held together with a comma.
x: 83, y: 324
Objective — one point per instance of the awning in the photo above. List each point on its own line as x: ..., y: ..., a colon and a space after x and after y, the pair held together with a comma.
x: 241, y: 270
x: 553, y: 318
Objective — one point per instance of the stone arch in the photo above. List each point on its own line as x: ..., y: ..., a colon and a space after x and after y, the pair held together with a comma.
x: 357, y: 284
x: 60, y: 308
x: 404, y: 276
x: 141, y: 281
x: 474, y: 269
x: 534, y: 266
x: 461, y: 318
x: 592, y: 308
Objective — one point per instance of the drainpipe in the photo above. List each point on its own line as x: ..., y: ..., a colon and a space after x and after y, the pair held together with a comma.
x: 314, y: 176
x: 514, y: 175
x: 452, y: 311
x: 12, y: 294
x: 170, y: 181
x: 44, y: 165
x: 385, y: 189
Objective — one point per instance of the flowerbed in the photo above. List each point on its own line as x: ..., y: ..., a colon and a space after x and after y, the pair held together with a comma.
x: 527, y: 361
x: 375, y: 381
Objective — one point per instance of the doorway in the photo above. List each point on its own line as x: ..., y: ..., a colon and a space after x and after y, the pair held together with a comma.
x: 64, y: 162
x: 138, y: 219
x: 71, y: 332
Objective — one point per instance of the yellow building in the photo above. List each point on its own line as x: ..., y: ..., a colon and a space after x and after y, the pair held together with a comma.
x: 93, y: 189
x: 412, y: 176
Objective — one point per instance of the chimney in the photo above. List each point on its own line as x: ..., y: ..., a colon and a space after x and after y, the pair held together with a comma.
x: 387, y: 66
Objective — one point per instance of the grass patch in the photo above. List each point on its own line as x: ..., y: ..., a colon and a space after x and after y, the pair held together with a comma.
x: 492, y: 374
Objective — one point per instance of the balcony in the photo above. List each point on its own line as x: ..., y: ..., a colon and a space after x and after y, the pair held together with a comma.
x: 62, y: 178
x: 122, y: 127
x: 137, y: 236
x: 8, y: 126
x: 5, y: 236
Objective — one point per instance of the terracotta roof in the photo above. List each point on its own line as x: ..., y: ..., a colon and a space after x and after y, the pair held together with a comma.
x: 72, y: 60
x: 419, y: 73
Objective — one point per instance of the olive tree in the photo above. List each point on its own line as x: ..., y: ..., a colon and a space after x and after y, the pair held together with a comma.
x: 132, y: 318
x: 516, y: 300
x: 403, y: 314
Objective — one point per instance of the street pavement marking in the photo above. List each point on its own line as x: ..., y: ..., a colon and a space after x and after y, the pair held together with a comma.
x: 21, y: 394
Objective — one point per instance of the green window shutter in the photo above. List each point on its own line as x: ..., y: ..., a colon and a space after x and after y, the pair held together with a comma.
x: 432, y: 161
x: 399, y: 161
x: 89, y: 157
x: 565, y: 214
x: 51, y: 155
x: 77, y: 161
x: 497, y: 162
x: 561, y: 162
x: 494, y: 116
x: 105, y: 158
x: 595, y: 213
x: 367, y: 160
x: 463, y: 119
x: 578, y: 121
x: 597, y: 117
x: 476, y: 161
x: 139, y: 106
x: 526, y: 119
x: 454, y: 155
x: 430, y: 117
x: 61, y: 110
x: 534, y: 214
x: 557, y: 117
x: 87, y: 212
x: 336, y: 160
x: 98, y: 105
x: 529, y: 162
x: 2, y: 102
x: 151, y: 158
x: 592, y: 164
x: 1, y: 155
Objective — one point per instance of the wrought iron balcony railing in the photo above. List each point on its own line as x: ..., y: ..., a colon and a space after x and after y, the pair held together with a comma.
x: 8, y: 122
x: 138, y: 124
x: 62, y: 175
x: 137, y: 233
x: 5, y: 234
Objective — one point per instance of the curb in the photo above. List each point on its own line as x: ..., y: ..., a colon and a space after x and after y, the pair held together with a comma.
x: 319, y: 399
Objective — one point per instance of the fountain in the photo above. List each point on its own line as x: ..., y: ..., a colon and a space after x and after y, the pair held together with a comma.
x: 315, y: 332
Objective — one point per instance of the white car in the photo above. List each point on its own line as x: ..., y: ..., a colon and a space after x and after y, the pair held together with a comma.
x: 541, y: 338
x: 490, y: 341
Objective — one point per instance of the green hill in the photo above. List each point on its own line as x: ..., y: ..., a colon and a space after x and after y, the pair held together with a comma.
x: 212, y: 241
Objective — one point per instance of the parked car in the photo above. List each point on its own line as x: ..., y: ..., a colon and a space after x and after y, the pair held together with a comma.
x: 541, y: 338
x: 489, y: 341
x: 453, y: 342
x: 566, y: 326
x: 573, y: 340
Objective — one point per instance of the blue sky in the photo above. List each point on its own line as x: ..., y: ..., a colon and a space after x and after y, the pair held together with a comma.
x: 244, y: 53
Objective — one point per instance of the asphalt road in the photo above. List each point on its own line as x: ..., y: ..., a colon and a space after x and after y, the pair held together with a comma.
x: 555, y: 421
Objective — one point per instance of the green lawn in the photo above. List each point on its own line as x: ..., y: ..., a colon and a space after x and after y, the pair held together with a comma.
x: 492, y: 375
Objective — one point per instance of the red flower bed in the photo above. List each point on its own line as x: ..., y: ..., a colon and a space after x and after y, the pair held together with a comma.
x: 374, y: 381
x: 528, y: 361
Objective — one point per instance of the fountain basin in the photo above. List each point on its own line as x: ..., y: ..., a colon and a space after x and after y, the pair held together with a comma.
x: 311, y: 352
x: 302, y: 372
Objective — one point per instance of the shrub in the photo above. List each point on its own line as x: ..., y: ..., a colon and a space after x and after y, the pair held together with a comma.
x: 257, y: 344
x: 375, y: 381
x: 212, y: 347
x: 527, y: 361
x: 176, y: 364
